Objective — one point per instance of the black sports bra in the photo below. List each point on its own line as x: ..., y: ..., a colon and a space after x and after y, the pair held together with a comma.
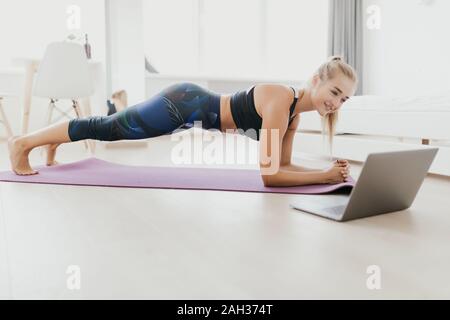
x: 244, y: 113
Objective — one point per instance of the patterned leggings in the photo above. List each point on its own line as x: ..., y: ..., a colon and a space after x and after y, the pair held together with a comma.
x: 176, y: 107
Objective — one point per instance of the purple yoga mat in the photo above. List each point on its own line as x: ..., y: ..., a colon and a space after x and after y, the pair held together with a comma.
x: 96, y: 172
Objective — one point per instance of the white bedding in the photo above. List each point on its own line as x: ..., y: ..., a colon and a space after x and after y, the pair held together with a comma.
x: 435, y: 103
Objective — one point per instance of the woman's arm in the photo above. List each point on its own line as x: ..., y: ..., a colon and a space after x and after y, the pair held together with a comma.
x: 288, y: 178
x: 273, y: 173
x: 288, y: 140
x: 286, y: 152
x: 297, y: 168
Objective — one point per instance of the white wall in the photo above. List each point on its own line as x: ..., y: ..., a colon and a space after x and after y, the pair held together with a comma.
x: 410, y: 53
x: 126, y: 48
x: 26, y: 27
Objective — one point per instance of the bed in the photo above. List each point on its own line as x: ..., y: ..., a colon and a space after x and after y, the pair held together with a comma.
x: 376, y: 124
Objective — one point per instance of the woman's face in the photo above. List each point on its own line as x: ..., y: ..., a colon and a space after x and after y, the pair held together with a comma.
x: 328, y: 96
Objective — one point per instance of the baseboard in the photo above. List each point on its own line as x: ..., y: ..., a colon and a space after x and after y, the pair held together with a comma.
x: 357, y: 147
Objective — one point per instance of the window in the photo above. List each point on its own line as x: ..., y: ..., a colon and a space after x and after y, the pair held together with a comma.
x: 252, y: 38
x: 297, y: 36
x: 170, y: 28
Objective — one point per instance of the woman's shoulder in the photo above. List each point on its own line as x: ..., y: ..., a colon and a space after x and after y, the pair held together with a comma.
x: 267, y: 93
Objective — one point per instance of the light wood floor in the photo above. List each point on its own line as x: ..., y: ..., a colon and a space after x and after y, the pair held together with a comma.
x: 180, y: 244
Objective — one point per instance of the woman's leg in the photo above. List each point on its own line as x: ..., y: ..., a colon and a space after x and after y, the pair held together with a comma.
x: 21, y: 146
x: 177, y: 106
x: 121, y: 125
x: 51, y: 154
x: 120, y: 100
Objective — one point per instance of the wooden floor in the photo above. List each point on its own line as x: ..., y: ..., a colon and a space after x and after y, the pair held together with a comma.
x: 180, y: 244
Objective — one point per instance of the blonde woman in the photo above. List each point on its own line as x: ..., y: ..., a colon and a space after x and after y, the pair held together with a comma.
x: 257, y: 113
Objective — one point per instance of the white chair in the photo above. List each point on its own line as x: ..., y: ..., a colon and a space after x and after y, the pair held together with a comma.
x: 3, y: 118
x: 64, y: 73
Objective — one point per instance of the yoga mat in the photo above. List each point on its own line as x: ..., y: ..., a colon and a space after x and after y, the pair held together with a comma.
x: 97, y: 172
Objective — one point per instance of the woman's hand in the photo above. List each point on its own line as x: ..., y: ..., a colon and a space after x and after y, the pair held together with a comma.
x: 337, y: 173
x: 341, y: 162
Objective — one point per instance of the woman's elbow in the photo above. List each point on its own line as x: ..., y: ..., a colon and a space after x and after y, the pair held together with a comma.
x: 268, y: 180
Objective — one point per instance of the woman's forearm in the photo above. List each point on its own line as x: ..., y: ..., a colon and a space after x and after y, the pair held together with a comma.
x: 294, y: 167
x: 289, y: 178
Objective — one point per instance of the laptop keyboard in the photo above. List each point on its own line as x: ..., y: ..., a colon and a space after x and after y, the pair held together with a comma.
x: 331, y: 207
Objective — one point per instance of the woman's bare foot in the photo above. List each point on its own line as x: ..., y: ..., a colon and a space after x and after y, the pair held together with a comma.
x: 51, y: 153
x: 18, y: 155
x: 120, y: 100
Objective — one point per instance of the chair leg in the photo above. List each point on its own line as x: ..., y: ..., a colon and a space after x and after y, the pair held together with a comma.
x: 79, y: 113
x: 5, y: 120
x: 51, y: 106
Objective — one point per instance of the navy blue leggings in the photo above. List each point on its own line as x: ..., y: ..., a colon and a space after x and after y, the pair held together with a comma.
x: 176, y: 107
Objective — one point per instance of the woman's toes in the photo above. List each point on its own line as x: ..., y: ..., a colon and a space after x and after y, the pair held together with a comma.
x: 26, y: 173
x: 30, y: 173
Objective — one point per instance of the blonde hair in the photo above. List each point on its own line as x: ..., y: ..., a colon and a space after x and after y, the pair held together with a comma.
x: 328, y: 70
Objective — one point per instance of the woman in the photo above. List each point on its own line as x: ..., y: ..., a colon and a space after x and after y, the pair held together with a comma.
x: 264, y: 110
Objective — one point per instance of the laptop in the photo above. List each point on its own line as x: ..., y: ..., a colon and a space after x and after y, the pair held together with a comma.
x: 389, y: 182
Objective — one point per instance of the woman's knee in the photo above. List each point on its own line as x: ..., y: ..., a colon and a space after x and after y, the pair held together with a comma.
x: 96, y: 127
